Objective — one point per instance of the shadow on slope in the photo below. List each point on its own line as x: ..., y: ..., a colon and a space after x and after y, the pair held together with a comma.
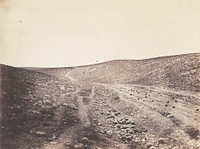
x: 31, y: 112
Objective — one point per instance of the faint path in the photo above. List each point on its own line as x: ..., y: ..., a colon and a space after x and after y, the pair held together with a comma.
x: 83, y: 112
x: 83, y: 109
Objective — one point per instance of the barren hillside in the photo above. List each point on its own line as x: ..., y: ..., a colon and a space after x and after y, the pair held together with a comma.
x: 123, y: 104
x: 181, y: 72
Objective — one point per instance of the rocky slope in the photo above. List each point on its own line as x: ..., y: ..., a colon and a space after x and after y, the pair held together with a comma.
x: 146, y: 104
x: 32, y: 108
x: 181, y: 72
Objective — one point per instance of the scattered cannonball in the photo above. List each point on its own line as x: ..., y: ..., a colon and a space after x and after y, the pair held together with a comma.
x: 173, y: 107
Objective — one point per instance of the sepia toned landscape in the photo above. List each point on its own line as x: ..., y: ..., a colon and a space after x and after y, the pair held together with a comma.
x: 120, y: 104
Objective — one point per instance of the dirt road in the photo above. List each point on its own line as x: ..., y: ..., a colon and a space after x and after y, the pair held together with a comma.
x: 134, y: 116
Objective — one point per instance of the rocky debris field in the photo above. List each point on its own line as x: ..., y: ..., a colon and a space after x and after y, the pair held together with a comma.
x: 44, y: 111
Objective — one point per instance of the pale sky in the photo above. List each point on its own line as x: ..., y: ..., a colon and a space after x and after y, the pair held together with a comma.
x: 53, y: 33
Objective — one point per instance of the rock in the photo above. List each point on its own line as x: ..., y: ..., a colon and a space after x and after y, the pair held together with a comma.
x: 53, y: 143
x: 114, y: 110
x: 78, y: 146
x: 118, y: 126
x: 72, y: 106
x: 40, y: 134
x: 85, y: 140
x: 132, y: 126
x: 143, y: 140
x: 123, y: 121
x: 47, y: 96
x: 149, y: 145
x: 62, y: 87
x: 117, y: 113
x: 54, y: 137
x: 128, y: 138
x: 126, y: 119
x: 128, y: 122
x: 46, y: 101
x: 115, y: 122
x: 125, y: 126
x: 132, y: 123
x: 152, y: 147
x: 109, y: 132
x: 65, y: 104
x: 170, y: 116
x: 131, y: 132
x: 161, y: 141
x: 110, y: 116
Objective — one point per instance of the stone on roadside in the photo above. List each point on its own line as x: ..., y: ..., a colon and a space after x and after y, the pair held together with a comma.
x: 161, y: 141
x: 72, y: 106
x: 85, y: 140
x: 78, y: 146
x: 149, y: 145
x: 125, y: 126
x: 152, y: 147
x: 118, y: 126
x: 40, y: 134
